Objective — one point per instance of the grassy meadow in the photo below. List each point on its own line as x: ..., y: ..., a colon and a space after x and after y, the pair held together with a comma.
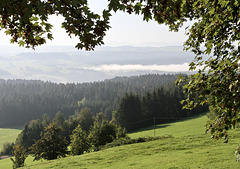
x: 191, y: 126
x: 189, y: 147
x: 8, y: 135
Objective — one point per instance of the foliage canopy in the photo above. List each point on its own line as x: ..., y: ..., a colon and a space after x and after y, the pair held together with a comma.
x: 215, y: 33
x: 27, y: 21
x: 101, y: 133
x: 79, y: 141
x: 20, y: 156
x: 7, y: 149
x: 51, y: 145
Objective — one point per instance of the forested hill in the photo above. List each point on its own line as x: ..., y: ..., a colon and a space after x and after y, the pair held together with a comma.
x: 24, y: 100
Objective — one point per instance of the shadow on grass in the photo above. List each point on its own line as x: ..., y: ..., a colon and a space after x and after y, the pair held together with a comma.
x: 160, y: 125
x: 150, y: 128
x: 12, y: 127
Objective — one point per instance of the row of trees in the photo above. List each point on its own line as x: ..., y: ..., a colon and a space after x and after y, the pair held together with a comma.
x: 158, y: 106
x: 24, y: 100
x: 89, y: 124
x: 49, y: 140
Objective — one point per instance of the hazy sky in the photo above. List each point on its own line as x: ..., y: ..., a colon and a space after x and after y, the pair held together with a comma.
x: 126, y: 30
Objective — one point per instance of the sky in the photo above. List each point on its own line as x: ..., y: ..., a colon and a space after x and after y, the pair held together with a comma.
x: 126, y: 30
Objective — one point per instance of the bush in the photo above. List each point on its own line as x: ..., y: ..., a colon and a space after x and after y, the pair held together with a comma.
x: 7, y: 149
x: 121, y: 132
x: 127, y: 140
x: 102, y: 133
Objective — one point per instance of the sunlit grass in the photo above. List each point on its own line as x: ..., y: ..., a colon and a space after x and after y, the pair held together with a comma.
x: 192, y: 126
x: 190, y: 147
x: 8, y: 135
x: 181, y: 152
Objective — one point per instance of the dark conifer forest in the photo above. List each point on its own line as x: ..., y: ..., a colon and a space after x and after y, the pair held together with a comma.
x: 155, y: 107
x: 24, y: 100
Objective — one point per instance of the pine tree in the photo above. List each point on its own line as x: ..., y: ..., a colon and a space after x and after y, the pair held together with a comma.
x: 129, y: 111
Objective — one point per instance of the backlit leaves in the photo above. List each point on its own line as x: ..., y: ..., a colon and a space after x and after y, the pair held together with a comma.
x: 27, y: 21
x: 215, y: 33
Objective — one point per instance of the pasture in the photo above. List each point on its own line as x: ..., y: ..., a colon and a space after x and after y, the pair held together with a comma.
x: 189, y: 147
x: 8, y: 135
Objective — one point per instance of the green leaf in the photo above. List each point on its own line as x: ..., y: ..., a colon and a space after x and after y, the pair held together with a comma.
x: 21, y: 43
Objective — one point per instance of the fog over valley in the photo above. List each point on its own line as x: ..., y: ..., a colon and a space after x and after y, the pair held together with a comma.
x: 67, y: 64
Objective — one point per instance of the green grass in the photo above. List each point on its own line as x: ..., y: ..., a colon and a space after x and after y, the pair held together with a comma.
x: 8, y: 135
x: 189, y: 148
x: 193, y: 126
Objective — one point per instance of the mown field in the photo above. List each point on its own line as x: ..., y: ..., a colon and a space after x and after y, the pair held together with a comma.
x: 8, y: 135
x: 190, y: 147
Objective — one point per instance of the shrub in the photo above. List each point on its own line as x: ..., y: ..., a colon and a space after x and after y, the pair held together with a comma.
x: 102, y: 133
x: 121, y: 132
x: 127, y: 140
x: 7, y: 149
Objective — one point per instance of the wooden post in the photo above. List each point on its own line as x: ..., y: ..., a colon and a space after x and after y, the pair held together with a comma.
x: 154, y: 126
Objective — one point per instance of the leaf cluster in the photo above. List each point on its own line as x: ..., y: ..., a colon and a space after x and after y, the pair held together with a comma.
x: 214, y: 39
x: 102, y: 133
x: 27, y: 21
x: 51, y: 145
x: 7, y: 149
x: 79, y: 141
x: 20, y: 156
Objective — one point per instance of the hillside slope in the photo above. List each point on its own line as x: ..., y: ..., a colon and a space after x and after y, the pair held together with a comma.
x: 190, y: 126
x: 189, y: 148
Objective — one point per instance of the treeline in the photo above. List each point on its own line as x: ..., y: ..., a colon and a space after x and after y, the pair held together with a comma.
x: 82, y: 121
x: 25, y: 100
x: 33, y: 130
x: 156, y: 107
x: 50, y: 139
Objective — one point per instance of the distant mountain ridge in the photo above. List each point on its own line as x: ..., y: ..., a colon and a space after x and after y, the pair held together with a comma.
x: 66, y: 64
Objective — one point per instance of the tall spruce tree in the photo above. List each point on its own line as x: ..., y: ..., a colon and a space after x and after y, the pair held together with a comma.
x: 129, y: 111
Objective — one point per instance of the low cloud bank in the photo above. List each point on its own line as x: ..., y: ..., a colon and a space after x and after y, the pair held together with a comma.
x: 137, y: 67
